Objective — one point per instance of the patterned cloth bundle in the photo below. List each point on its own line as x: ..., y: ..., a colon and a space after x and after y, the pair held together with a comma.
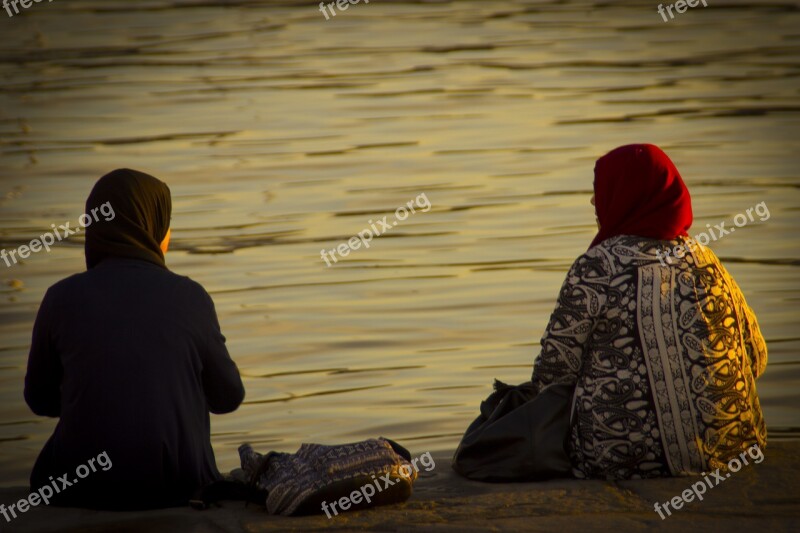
x: 298, y: 483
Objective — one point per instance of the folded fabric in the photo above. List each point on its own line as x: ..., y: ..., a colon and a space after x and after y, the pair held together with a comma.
x: 298, y: 483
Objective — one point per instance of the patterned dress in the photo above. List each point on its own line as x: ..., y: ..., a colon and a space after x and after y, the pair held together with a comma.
x: 665, y: 353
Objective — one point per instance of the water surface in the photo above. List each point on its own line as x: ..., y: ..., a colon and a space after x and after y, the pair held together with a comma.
x: 282, y: 134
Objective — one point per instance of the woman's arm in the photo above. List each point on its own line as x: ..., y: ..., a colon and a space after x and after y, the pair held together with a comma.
x: 221, y: 380
x: 578, y: 307
x: 754, y: 343
x: 43, y: 379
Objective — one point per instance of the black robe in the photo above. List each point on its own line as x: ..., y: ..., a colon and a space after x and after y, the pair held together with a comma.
x: 130, y: 357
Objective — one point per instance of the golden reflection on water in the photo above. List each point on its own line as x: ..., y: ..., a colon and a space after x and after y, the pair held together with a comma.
x: 282, y: 134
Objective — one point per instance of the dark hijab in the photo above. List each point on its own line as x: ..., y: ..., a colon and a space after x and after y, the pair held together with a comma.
x: 142, y: 207
x: 638, y: 191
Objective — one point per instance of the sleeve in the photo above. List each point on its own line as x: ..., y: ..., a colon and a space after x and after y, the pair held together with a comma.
x: 222, y: 383
x: 566, y: 339
x: 754, y: 343
x: 43, y: 378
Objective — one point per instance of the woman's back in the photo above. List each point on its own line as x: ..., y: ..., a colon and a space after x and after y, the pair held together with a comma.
x: 658, y: 336
x: 130, y: 357
x: 667, y: 353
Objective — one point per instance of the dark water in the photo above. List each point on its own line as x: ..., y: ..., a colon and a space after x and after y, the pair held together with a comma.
x: 281, y: 133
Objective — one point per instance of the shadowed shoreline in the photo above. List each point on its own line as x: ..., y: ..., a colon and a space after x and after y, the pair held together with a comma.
x: 762, y: 496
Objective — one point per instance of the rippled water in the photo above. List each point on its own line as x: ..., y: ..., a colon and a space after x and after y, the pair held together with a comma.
x: 281, y: 134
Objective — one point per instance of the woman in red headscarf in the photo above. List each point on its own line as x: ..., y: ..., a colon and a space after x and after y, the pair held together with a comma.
x: 656, y: 335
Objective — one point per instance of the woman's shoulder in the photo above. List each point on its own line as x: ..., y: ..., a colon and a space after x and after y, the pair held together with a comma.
x: 632, y: 251
x: 624, y: 252
x: 620, y: 244
x: 611, y: 250
x: 72, y: 283
x: 184, y: 285
x: 96, y: 278
x: 181, y: 290
x: 595, y: 263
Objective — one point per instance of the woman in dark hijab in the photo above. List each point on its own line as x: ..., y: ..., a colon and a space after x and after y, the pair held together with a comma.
x: 657, y: 336
x: 129, y: 356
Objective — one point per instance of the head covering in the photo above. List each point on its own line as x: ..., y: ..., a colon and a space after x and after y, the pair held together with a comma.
x: 142, y: 207
x: 638, y: 191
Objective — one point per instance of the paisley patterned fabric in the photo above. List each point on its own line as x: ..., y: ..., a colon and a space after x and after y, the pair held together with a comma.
x: 664, y: 354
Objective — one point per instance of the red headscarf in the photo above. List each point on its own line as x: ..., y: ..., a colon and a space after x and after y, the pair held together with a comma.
x: 638, y: 191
